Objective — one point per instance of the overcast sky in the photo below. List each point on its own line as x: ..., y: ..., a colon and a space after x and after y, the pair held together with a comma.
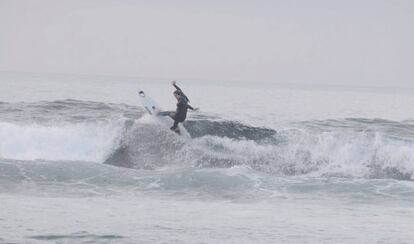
x: 368, y: 42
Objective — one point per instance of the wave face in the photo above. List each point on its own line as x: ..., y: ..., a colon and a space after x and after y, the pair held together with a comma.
x: 125, y: 136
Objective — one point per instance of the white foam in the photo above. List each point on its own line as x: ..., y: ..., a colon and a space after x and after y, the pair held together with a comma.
x: 82, y: 141
x: 333, y: 153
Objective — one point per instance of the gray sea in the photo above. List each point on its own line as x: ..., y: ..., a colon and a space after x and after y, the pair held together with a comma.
x: 82, y: 162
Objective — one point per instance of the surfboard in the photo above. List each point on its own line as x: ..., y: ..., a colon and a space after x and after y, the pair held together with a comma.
x: 152, y: 107
x: 149, y: 104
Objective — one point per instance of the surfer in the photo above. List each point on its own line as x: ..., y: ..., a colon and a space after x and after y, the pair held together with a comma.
x: 182, y: 106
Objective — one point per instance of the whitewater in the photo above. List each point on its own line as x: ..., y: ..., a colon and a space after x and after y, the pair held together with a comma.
x: 82, y: 162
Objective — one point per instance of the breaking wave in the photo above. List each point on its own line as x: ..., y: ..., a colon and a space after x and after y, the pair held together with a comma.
x: 121, y: 135
x: 72, y: 142
x: 299, y: 150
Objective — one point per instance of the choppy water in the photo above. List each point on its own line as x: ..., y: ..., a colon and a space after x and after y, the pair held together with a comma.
x: 78, y: 171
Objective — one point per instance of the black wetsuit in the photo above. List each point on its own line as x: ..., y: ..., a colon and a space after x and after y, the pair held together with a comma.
x: 182, y: 107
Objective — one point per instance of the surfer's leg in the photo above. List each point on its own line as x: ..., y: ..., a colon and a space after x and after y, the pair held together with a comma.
x: 172, y: 115
x: 164, y: 113
x: 174, y: 127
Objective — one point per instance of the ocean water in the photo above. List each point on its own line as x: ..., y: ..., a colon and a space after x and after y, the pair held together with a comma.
x: 81, y: 162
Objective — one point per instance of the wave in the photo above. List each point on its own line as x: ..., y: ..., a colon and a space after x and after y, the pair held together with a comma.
x: 329, y: 151
x: 119, y: 135
x: 84, y: 141
x: 50, y: 178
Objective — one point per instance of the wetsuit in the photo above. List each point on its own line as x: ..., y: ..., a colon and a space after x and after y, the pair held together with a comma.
x: 182, y: 107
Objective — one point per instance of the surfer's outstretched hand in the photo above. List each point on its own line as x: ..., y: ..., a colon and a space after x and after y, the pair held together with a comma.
x: 174, y: 82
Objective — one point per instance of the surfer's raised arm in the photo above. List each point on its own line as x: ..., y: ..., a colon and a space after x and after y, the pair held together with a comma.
x: 174, y: 83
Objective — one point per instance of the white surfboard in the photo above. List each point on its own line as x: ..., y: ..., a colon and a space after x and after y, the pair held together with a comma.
x: 152, y: 107
x: 149, y: 104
